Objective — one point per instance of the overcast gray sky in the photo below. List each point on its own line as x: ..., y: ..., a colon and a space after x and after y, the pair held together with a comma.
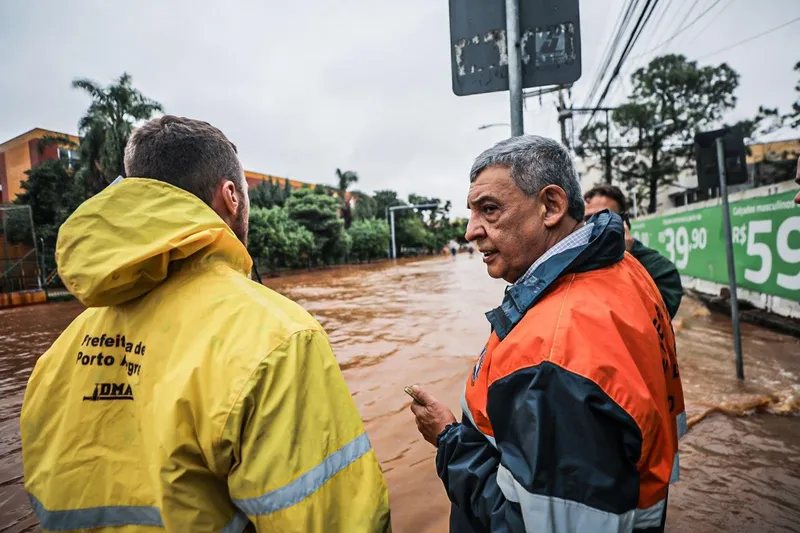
x: 305, y: 87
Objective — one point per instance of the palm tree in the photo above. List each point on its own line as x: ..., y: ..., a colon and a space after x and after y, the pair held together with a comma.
x: 346, y: 178
x: 106, y: 127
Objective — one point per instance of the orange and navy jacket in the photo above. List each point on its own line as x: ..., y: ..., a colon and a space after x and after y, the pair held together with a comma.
x: 573, y: 412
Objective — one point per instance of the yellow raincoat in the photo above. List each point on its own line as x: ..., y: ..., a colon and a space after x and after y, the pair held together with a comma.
x: 187, y: 397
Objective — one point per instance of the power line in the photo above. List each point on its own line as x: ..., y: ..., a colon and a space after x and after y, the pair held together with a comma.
x: 709, y: 23
x: 644, y: 17
x: 684, y: 28
x: 659, y: 25
x: 668, y: 29
x: 684, y: 19
x: 734, y: 45
x: 605, y: 69
x: 675, y: 14
x: 611, y: 48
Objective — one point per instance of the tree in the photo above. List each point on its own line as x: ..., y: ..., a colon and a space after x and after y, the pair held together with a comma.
x: 412, y: 233
x: 277, y: 240
x: 106, y: 127
x: 262, y: 194
x: 385, y: 199
x: 318, y: 213
x: 344, y: 180
x: 370, y: 239
x: 773, y: 167
x: 51, y: 192
x: 794, y: 115
x: 672, y: 98
x: 287, y: 189
x: 366, y: 206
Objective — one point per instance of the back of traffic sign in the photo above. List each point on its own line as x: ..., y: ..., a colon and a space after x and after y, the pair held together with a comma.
x: 706, y: 157
x: 550, y: 42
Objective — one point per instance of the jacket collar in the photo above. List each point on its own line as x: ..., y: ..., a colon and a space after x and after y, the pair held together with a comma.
x: 603, y: 246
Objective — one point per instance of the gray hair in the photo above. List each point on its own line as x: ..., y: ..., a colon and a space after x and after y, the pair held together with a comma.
x: 189, y: 154
x: 534, y: 163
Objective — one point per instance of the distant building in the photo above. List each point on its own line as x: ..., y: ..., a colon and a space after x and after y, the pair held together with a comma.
x: 25, y: 151
x: 767, y: 163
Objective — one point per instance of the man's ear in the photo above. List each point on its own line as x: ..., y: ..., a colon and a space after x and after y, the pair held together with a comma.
x: 226, y: 202
x: 232, y: 201
x: 554, y: 202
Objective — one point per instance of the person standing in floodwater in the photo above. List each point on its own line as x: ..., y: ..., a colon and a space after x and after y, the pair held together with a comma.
x: 573, y: 411
x: 187, y: 397
x: 453, y: 245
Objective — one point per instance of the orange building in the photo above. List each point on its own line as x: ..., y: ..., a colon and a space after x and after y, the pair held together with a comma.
x: 254, y: 179
x: 25, y: 151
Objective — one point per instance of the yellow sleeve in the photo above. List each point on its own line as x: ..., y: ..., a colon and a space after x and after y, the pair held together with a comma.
x: 302, y: 461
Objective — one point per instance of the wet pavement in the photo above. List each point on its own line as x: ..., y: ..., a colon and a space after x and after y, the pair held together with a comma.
x: 422, y: 322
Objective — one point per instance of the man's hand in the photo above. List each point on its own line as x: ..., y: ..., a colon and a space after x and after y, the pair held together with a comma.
x: 628, y: 238
x: 432, y: 416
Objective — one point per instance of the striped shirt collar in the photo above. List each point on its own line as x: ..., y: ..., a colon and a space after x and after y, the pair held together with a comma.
x: 574, y: 239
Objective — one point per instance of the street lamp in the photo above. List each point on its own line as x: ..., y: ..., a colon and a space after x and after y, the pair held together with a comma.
x: 390, y: 213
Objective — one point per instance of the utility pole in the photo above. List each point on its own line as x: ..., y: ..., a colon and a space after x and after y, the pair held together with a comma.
x: 562, y: 119
x: 566, y: 113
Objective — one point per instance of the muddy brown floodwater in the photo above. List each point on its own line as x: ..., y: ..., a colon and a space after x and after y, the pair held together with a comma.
x: 422, y: 322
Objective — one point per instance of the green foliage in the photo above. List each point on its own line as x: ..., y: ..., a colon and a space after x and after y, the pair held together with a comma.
x: 370, y: 239
x: 318, y: 213
x: 794, y: 115
x: 671, y: 99
x: 366, y: 207
x: 267, y: 194
x: 385, y: 199
x: 412, y: 233
x: 106, y: 127
x: 52, y: 193
x: 277, y: 240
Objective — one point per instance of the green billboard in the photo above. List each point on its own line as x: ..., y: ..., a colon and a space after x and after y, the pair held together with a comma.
x: 766, y: 243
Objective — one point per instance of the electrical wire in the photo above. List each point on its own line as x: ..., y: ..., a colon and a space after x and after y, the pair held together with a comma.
x: 641, y: 23
x: 711, y: 21
x: 747, y: 40
x: 682, y: 28
x: 623, y: 20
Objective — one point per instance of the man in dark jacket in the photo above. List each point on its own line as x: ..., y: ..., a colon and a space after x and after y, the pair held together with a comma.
x: 661, y: 269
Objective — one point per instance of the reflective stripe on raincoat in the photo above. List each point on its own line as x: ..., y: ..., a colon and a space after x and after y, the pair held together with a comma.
x: 187, y: 397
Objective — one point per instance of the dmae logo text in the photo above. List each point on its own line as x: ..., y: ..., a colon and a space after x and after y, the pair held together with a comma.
x: 110, y: 391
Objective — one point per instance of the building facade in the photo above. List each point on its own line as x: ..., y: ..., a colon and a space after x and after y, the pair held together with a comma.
x: 767, y: 163
x: 25, y: 151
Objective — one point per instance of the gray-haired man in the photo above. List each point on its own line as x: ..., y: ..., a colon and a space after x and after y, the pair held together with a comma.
x: 574, y: 408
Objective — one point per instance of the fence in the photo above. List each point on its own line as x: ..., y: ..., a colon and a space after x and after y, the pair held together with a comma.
x: 20, y: 267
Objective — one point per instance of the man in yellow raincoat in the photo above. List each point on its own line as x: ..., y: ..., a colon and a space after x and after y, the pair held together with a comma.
x: 187, y: 397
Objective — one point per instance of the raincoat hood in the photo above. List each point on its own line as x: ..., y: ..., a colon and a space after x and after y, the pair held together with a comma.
x: 123, y: 242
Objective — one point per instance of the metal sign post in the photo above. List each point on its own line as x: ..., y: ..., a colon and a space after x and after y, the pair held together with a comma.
x: 726, y: 220
x: 724, y: 149
x: 511, y: 45
x: 514, y: 67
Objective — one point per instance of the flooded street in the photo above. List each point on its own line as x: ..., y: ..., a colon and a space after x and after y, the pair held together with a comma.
x: 422, y: 322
